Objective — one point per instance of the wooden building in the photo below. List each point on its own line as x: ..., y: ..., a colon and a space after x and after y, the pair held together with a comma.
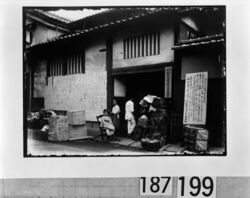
x: 132, y: 52
x: 39, y: 26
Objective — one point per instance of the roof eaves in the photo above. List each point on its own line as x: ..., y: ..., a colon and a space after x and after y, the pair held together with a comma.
x: 48, y: 23
x: 100, y: 27
x: 198, y: 8
x: 199, y: 41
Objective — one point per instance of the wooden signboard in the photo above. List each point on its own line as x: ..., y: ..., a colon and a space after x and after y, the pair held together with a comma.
x: 168, y: 82
x: 195, y: 101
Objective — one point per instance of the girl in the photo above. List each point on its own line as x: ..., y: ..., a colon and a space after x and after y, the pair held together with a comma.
x: 107, y: 123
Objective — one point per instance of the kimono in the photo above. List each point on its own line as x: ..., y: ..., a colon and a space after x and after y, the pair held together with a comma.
x: 129, y: 108
x: 141, y: 128
x: 115, y: 116
x: 107, y: 124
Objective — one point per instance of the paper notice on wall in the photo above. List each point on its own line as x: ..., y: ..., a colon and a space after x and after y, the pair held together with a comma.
x: 195, y: 101
x: 168, y: 82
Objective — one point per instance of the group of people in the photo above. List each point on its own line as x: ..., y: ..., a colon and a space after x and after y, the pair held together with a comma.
x: 136, y: 128
x: 112, y: 123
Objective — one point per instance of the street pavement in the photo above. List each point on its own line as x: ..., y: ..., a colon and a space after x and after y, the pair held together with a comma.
x: 38, y: 147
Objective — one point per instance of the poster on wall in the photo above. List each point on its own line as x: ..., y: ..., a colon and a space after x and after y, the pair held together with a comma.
x: 168, y: 82
x: 195, y: 101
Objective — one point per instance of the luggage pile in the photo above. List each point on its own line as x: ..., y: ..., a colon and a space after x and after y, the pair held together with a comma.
x: 58, y: 128
x: 39, y: 118
x: 70, y: 127
x: 153, y: 133
x: 34, y: 120
x: 196, y: 138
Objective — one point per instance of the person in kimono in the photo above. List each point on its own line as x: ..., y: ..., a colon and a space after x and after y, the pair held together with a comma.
x: 107, y: 123
x: 115, y: 115
x: 129, y: 117
x: 141, y: 128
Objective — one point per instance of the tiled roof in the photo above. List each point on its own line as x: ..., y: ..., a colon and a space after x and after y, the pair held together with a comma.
x: 92, y: 15
x: 53, y: 16
x: 103, y: 26
x: 200, y: 8
x: 199, y: 41
x: 111, y: 11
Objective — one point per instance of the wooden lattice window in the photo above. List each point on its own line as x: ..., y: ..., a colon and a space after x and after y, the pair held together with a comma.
x: 141, y: 45
x: 70, y: 63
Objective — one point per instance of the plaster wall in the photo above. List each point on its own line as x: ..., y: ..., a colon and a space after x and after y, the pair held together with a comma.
x: 166, y: 53
x: 86, y: 91
x: 43, y: 33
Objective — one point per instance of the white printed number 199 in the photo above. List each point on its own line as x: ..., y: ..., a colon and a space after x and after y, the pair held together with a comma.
x: 202, y: 187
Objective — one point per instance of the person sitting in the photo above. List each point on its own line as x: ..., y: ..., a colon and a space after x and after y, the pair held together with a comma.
x: 107, y: 124
x: 141, y: 128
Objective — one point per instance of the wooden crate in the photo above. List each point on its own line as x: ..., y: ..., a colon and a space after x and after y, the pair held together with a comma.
x: 58, y: 129
x: 76, y: 117
x: 196, y: 138
x: 77, y: 132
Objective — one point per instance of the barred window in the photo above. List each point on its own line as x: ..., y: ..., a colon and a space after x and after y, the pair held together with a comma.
x: 75, y: 63
x: 141, y: 45
x: 72, y: 63
x: 56, y: 66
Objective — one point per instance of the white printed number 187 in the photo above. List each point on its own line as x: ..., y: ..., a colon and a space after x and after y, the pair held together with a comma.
x: 201, y: 187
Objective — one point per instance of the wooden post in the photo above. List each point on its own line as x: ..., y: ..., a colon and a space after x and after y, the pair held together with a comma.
x: 176, y: 75
x: 31, y: 94
x: 109, y: 66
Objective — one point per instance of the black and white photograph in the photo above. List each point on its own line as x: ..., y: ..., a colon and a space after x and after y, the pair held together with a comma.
x: 124, y: 81
x: 123, y: 99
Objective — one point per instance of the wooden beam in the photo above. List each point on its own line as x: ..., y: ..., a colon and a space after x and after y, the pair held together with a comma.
x: 54, y: 26
x: 141, y: 69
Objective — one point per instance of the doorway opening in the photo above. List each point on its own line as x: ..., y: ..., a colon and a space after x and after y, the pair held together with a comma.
x: 136, y: 86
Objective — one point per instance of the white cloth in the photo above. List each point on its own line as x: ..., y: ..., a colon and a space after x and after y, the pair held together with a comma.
x: 129, y: 109
x: 109, y: 132
x: 151, y: 108
x: 150, y: 98
x: 116, y: 110
x: 131, y: 124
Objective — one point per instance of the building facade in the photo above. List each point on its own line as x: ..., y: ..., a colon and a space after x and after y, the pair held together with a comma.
x: 133, y: 54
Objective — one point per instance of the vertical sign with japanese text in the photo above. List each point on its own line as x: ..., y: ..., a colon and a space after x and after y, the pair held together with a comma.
x: 195, y: 101
x: 168, y: 82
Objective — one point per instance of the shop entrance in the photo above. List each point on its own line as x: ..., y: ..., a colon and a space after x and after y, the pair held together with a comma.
x: 136, y: 86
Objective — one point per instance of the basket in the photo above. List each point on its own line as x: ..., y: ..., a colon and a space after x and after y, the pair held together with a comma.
x: 151, y: 144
